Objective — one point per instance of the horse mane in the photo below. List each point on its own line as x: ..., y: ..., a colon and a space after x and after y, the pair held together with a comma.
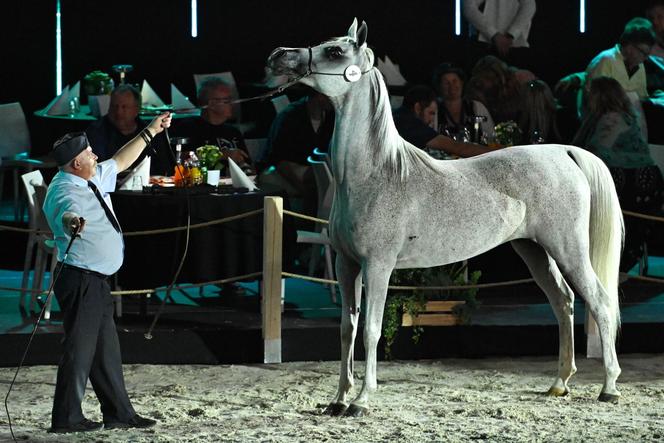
x: 392, y: 153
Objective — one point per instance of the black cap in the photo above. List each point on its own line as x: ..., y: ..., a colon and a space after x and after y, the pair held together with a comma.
x: 69, y: 146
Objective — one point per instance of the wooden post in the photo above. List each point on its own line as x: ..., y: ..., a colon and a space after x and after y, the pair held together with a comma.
x: 273, y: 216
x: 593, y: 341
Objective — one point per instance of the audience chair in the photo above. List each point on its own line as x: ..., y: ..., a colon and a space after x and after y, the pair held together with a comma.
x: 325, y: 188
x: 15, y: 149
x: 35, y: 190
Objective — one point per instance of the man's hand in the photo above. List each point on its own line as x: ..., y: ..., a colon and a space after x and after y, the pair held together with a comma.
x: 159, y: 123
x: 72, y: 223
x: 502, y: 42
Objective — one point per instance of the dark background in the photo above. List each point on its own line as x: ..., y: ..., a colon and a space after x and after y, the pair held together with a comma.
x: 238, y: 36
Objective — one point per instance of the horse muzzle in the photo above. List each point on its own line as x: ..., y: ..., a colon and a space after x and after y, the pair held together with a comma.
x: 285, y: 61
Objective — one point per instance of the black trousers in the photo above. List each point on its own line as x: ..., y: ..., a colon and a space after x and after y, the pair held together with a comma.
x: 91, y: 350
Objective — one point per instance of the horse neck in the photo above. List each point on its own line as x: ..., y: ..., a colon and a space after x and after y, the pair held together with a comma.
x: 365, y: 139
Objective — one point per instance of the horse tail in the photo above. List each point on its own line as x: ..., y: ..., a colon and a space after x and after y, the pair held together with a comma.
x: 607, y: 229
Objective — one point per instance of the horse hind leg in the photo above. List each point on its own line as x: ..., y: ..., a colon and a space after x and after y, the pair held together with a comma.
x: 350, y: 285
x: 587, y: 284
x: 548, y: 277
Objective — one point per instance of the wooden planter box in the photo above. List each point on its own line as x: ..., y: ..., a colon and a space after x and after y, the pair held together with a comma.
x: 436, y: 313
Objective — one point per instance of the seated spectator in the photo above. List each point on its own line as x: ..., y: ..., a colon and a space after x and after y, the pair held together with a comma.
x: 611, y: 130
x: 499, y: 87
x: 624, y: 62
x: 211, y: 128
x: 538, y: 122
x: 303, y: 125
x: 413, y: 121
x: 121, y: 125
x: 456, y: 113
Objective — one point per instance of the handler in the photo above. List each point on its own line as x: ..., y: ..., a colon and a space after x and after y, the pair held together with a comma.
x: 77, y: 200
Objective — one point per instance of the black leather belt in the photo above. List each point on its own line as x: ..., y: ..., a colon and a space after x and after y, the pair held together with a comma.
x: 83, y: 271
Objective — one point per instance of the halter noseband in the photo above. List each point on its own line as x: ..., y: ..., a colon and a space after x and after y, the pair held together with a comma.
x: 351, y: 74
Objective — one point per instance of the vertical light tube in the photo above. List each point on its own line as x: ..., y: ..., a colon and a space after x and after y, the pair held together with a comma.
x: 582, y: 16
x: 58, y: 50
x: 457, y: 17
x: 194, y: 19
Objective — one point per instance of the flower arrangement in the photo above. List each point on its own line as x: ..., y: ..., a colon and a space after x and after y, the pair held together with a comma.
x: 210, y: 156
x: 507, y: 133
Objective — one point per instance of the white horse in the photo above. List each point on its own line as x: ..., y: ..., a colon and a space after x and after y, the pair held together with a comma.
x: 396, y: 207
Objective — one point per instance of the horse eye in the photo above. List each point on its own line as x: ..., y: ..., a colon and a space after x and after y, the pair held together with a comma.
x: 334, y: 52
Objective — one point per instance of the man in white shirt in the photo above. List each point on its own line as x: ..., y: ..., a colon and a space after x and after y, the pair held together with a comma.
x: 624, y: 62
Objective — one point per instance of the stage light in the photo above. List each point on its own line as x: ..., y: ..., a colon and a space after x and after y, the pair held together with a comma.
x: 457, y: 17
x: 194, y: 19
x: 58, y: 50
x: 582, y: 16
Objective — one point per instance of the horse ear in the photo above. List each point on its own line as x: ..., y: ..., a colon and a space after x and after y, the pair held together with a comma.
x: 352, y: 31
x: 362, y: 34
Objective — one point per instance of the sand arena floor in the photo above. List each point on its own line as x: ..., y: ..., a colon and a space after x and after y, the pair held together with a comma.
x: 492, y: 399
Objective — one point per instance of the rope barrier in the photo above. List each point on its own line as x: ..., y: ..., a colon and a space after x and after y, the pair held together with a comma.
x: 413, y: 288
x: 153, y: 231
x: 195, y: 226
x: 643, y: 216
x: 249, y: 214
x: 331, y: 282
x: 305, y: 217
x: 152, y: 290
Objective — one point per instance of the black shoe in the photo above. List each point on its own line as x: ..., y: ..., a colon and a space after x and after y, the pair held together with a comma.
x: 135, y: 422
x: 83, y: 426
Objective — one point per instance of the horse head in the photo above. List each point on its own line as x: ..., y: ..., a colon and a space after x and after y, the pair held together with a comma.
x: 331, y: 67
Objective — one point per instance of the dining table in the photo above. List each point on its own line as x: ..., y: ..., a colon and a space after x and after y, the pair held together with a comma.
x: 213, y: 252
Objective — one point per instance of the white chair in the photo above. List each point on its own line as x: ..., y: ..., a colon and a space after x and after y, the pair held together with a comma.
x: 15, y: 149
x: 325, y: 188
x: 35, y: 190
x: 280, y: 102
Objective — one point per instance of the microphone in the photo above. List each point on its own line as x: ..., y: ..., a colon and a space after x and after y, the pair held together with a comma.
x: 76, y: 228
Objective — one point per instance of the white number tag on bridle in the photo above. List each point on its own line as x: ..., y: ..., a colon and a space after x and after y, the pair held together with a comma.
x: 352, y: 73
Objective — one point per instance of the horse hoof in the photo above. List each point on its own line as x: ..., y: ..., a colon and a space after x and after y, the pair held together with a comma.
x: 335, y: 409
x: 609, y: 398
x: 557, y: 392
x: 356, y: 411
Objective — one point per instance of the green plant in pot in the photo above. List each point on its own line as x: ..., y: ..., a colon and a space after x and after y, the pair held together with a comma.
x: 210, y: 157
x: 97, y: 83
x: 414, y: 302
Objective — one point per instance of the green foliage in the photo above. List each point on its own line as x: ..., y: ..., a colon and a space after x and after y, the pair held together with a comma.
x: 413, y: 302
x: 97, y: 83
x: 210, y: 156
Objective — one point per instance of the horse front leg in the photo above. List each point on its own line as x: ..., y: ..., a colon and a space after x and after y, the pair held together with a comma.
x: 376, y: 278
x: 350, y: 285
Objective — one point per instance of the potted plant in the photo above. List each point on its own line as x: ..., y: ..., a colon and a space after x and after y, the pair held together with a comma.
x: 210, y: 157
x: 98, y: 86
x: 402, y: 304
